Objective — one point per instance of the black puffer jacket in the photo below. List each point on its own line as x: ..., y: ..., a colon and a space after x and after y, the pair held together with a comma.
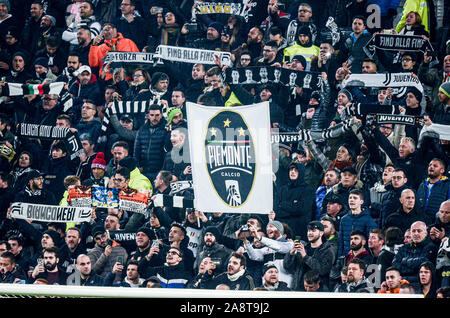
x: 149, y: 147
x: 325, y: 112
x: 411, y: 256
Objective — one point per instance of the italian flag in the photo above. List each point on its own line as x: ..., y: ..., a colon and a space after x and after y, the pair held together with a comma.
x: 18, y: 89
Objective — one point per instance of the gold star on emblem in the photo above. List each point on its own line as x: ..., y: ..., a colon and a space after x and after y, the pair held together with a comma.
x: 226, y: 123
x: 241, y: 132
x: 213, y: 131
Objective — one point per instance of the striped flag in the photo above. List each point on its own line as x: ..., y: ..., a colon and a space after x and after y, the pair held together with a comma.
x: 19, y: 89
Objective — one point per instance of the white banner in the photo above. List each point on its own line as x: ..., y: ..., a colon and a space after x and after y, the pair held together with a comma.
x: 383, y: 80
x: 231, y: 158
x: 50, y: 213
x: 190, y: 55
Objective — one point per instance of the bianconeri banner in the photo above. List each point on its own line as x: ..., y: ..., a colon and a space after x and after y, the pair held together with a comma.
x: 231, y: 158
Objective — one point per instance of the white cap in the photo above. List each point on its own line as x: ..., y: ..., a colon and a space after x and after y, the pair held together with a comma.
x: 81, y: 69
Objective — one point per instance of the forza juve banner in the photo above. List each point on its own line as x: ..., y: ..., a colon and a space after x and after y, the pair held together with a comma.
x: 383, y: 80
x: 239, y: 9
x: 50, y: 213
x: 270, y: 74
x: 231, y: 158
x: 131, y: 58
x: 53, y: 133
x: 398, y: 42
x: 190, y: 55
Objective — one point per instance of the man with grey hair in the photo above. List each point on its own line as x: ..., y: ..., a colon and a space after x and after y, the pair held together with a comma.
x: 411, y: 256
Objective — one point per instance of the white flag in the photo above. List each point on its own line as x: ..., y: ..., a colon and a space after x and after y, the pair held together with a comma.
x: 231, y: 158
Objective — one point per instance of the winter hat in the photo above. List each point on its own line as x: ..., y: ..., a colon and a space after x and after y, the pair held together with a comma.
x: 278, y: 225
x: 7, y: 4
x: 268, y: 266
x: 99, y: 161
x: 34, y: 174
x: 99, y: 229
x: 416, y: 93
x: 13, y: 31
x: 347, y: 93
x: 147, y: 231
x: 304, y: 30
x: 216, y: 25
x: 445, y: 89
x: 315, y: 225
x: 158, y: 76
x: 54, y: 235
x: 350, y: 169
x: 317, y: 96
x: 172, y: 112
x: 300, y: 58
x: 213, y: 230
x: 42, y: 61
x: 22, y: 54
x: 129, y: 163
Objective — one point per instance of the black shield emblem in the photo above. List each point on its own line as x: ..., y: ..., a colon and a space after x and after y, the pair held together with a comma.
x: 230, y: 157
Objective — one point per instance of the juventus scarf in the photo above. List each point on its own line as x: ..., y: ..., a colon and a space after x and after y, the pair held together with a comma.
x: 53, y: 133
x: 18, y: 89
x: 163, y: 200
x: 383, y: 80
x: 396, y: 119
x: 239, y: 9
x: 397, y: 42
x: 190, y: 55
x: 307, y: 134
x: 50, y: 213
x: 270, y: 74
x: 362, y: 110
x: 131, y: 58
x: 121, y: 107
x: 178, y: 186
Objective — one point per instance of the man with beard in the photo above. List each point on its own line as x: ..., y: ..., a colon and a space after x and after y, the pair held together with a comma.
x: 356, y: 282
x: 192, y: 86
x: 105, y: 252
x: 73, y: 64
x: 434, y: 190
x: 8, y: 270
x: 271, y: 281
x: 84, y: 44
x: 86, y: 88
x: 274, y: 249
x: 70, y: 251
x: 47, y: 29
x: 211, y: 42
x: 317, y: 255
x: 132, y: 278
x: 304, y: 19
x: 217, y: 252
x: 34, y: 192
x: 49, y: 270
x: 87, y: 18
x: 254, y: 44
x: 143, y: 243
x: 177, y: 160
x: 119, y: 150
x: 236, y: 277
x: 149, y: 145
x: 32, y: 30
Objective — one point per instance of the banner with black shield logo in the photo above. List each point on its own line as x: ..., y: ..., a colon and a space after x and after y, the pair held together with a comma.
x: 231, y: 158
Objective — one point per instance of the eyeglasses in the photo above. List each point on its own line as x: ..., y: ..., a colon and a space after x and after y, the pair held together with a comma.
x: 406, y: 60
x: 303, y: 10
x: 173, y: 253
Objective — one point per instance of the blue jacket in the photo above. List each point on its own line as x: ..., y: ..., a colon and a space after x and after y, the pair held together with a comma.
x: 431, y: 200
x: 350, y: 222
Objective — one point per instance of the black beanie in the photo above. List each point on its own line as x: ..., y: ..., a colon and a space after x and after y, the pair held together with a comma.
x: 214, y: 231
x: 54, y: 235
x: 129, y: 163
